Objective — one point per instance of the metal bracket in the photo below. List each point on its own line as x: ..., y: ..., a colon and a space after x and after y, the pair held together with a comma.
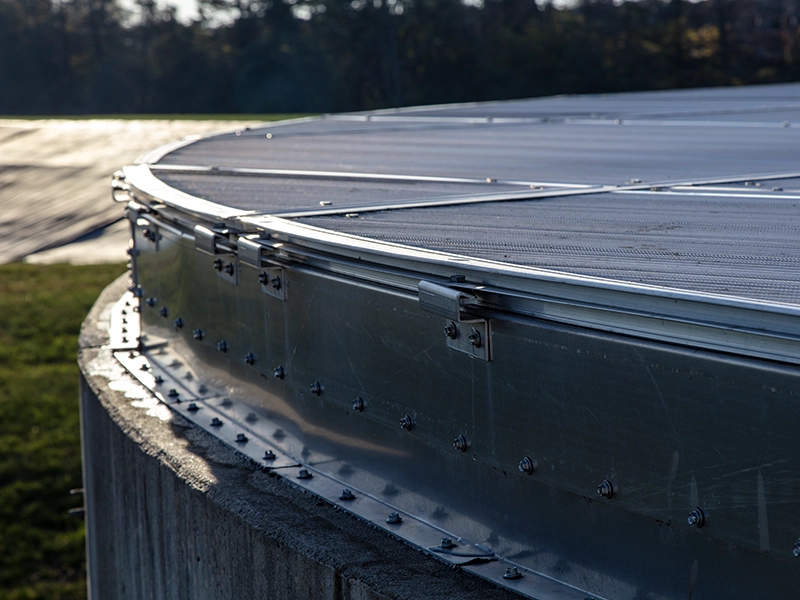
x: 471, y: 336
x: 205, y: 240
x: 149, y: 231
x: 227, y: 268
x: 249, y: 252
x: 273, y: 282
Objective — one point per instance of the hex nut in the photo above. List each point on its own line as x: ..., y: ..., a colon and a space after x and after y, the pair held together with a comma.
x: 606, y: 489
x: 461, y: 443
x: 697, y: 518
x: 527, y: 465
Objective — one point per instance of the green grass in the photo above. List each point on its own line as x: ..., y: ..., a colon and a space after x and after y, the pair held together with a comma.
x: 41, y: 310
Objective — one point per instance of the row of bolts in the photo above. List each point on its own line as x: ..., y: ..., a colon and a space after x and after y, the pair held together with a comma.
x: 527, y: 465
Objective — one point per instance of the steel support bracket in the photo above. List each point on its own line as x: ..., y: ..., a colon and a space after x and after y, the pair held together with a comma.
x: 273, y: 282
x: 249, y: 252
x: 462, y: 332
x: 205, y: 240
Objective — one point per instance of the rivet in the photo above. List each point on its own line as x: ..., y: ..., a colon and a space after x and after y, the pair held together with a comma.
x: 407, y: 423
x: 215, y: 422
x: 605, y: 489
x: 279, y: 373
x: 218, y: 264
x: 394, y: 518
x: 192, y: 407
x: 347, y: 495
x: 447, y: 544
x: 198, y: 334
x: 229, y: 268
x: 173, y: 393
x: 241, y: 438
x: 305, y: 474
x: 796, y: 549
x: 164, y: 312
x: 696, y: 518
x: 461, y: 443
x: 450, y: 330
x: 178, y: 323
x: 159, y: 380
x: 151, y: 301
x: 316, y: 388
x: 222, y: 346
x: 358, y: 404
x: 269, y: 455
x: 528, y: 465
x: 512, y: 573
x: 475, y: 338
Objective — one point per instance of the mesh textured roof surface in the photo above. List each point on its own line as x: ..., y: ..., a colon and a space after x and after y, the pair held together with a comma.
x: 696, y: 189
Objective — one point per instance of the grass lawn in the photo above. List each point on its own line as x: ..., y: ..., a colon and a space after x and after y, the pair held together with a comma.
x: 41, y: 310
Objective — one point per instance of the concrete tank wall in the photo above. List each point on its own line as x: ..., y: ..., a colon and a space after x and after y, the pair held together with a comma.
x: 174, y: 513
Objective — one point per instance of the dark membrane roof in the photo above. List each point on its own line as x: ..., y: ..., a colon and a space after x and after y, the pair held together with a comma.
x: 710, y: 183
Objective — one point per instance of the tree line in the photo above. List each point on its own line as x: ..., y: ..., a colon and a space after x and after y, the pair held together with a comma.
x: 264, y: 56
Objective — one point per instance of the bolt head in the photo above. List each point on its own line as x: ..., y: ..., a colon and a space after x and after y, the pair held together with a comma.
x: 347, y: 495
x: 216, y: 422
x: 250, y: 358
x: 394, y: 518
x: 164, y: 312
x: 447, y: 543
x: 475, y: 339
x: 512, y: 573
x: 276, y: 283
x: 316, y: 388
x: 222, y: 346
x: 229, y: 268
x: 218, y: 264
x: 527, y: 465
x: 461, y: 443
x: 159, y: 380
x: 198, y: 335
x: 605, y: 489
x: 151, y: 301
x: 304, y: 474
x: 358, y: 404
x: 407, y: 423
x: 696, y: 518
x: 279, y: 373
x: 451, y: 330
x: 241, y: 438
x: 269, y: 455
x: 178, y: 323
x: 192, y: 407
x: 796, y: 550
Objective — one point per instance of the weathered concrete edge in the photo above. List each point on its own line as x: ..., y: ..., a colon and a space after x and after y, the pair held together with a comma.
x: 172, y: 512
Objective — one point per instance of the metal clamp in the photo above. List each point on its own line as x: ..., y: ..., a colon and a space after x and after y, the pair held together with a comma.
x: 468, y: 335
